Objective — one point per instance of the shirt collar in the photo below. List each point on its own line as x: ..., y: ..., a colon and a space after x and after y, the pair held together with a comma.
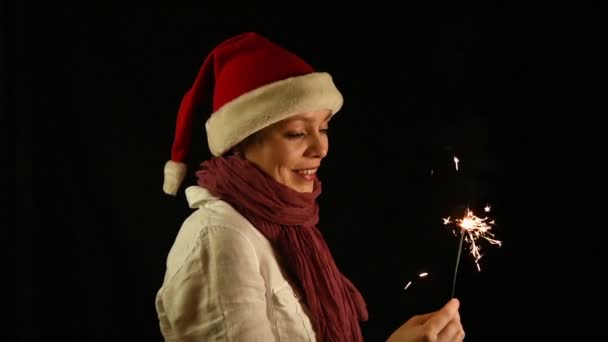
x: 197, y: 195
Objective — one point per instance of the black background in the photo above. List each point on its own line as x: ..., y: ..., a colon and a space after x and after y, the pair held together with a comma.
x: 508, y: 89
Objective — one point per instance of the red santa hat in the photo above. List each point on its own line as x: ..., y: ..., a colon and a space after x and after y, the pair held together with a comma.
x: 252, y: 83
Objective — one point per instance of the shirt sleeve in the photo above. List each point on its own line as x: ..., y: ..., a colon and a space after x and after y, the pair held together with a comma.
x: 218, y: 294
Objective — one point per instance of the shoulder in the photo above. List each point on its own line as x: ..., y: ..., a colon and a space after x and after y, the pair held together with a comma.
x: 210, y: 211
x: 214, y: 227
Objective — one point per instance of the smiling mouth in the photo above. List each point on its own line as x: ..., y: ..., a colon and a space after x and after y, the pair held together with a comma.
x: 307, y: 174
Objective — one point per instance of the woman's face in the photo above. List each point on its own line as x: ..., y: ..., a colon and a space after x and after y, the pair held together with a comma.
x: 291, y: 150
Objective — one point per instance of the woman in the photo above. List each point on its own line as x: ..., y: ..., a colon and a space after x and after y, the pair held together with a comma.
x: 249, y: 264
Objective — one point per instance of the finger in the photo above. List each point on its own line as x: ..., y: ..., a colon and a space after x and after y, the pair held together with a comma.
x: 420, y: 319
x: 459, y: 336
x: 441, y: 318
x: 453, y: 331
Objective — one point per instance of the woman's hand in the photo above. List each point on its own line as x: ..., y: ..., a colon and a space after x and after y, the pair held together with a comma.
x: 442, y: 325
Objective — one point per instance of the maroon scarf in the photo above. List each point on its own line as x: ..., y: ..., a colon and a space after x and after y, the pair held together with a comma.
x: 287, y: 218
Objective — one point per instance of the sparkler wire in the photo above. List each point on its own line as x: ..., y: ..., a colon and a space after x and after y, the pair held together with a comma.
x: 457, y: 262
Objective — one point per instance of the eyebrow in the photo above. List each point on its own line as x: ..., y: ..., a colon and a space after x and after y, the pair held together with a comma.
x: 308, y: 119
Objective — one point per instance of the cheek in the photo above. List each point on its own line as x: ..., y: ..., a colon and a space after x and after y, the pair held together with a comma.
x: 278, y: 160
x: 283, y: 165
x: 282, y: 156
x: 289, y: 159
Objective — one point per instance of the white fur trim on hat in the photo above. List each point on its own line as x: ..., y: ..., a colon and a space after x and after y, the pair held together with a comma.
x: 174, y: 175
x: 269, y: 104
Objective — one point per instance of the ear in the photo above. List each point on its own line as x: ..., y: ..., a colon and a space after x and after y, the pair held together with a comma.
x: 238, y: 149
x: 247, y: 143
x: 241, y: 148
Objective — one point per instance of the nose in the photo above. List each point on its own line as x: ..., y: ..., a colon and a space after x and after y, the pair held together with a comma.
x: 318, y: 146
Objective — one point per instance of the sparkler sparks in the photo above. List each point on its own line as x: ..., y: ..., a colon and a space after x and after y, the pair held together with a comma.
x: 421, y: 275
x: 474, y: 229
x: 408, y: 285
x: 456, y: 162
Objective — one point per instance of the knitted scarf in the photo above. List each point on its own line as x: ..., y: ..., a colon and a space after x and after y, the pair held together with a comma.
x: 288, y: 219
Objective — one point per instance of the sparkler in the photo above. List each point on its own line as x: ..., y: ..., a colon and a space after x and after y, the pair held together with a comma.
x: 472, y: 229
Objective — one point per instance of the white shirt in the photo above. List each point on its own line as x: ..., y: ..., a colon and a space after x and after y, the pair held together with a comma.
x: 223, y: 281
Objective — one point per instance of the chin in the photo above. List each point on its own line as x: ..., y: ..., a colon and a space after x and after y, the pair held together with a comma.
x: 307, y: 189
x: 299, y: 186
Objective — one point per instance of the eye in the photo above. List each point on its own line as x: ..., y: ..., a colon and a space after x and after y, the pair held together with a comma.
x: 324, y: 130
x: 294, y: 135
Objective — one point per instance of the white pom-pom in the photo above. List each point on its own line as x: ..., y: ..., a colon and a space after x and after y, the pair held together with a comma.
x: 174, y: 175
